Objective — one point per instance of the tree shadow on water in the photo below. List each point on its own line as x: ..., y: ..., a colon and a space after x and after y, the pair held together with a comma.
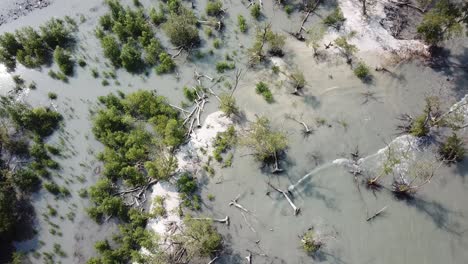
x: 440, y: 215
x: 453, y: 66
x: 311, y: 190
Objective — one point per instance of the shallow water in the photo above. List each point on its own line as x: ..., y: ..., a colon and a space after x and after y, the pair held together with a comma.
x: 428, y: 229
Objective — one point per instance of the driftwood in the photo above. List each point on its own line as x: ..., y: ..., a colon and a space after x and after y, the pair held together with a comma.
x: 298, y: 35
x: 376, y: 214
x: 234, y: 202
x: 285, y: 194
x: 225, y: 220
x: 249, y: 257
x: 218, y: 24
x: 306, y: 128
x: 213, y: 260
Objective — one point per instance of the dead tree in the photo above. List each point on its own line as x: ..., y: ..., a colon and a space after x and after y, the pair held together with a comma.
x: 285, y: 194
x: 225, y: 220
x: 306, y: 128
x: 380, y: 212
x: 364, y: 8
x: 298, y: 34
x: 239, y: 206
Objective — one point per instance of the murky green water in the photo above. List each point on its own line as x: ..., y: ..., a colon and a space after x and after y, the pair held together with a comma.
x: 428, y: 229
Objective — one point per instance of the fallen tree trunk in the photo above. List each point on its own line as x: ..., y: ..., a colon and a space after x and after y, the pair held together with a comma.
x: 376, y: 214
x: 306, y: 127
x: 225, y: 220
x: 234, y: 202
x: 294, y: 207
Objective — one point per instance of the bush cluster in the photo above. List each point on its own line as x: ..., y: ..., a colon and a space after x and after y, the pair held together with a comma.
x: 32, y: 48
x: 262, y: 88
x: 127, y: 38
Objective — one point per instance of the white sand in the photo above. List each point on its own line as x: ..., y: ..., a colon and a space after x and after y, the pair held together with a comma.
x: 190, y: 158
x: 371, y: 37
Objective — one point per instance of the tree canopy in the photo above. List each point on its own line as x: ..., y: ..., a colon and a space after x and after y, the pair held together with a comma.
x: 444, y: 21
x: 263, y: 140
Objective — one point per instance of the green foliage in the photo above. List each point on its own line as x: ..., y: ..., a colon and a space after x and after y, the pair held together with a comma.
x: 128, y: 40
x: 200, y: 238
x: 30, y: 163
x: 223, y: 142
x: 275, y: 69
x: 111, y: 49
x: 310, y: 243
x: 443, y: 22
x: 127, y: 242
x: 276, y: 42
x: 452, y: 150
x: 362, y: 71
x: 190, y: 94
x: 265, y: 142
x: 105, y: 203
x: 315, y: 35
x: 64, y: 60
x: 95, y: 73
x: 347, y: 49
x: 153, y: 51
x: 130, y: 57
x: 181, y: 29
x: 214, y: 8
x: 52, y: 96
x: 187, y: 186
x: 223, y: 66
x: 217, y: 43
x: 58, y: 76
x: 166, y: 64
x: 163, y: 166
x: 56, y: 190
x: 419, y: 127
x: 298, y: 79
x: 255, y: 11
x: 26, y: 180
x: 127, y: 143
x: 34, y: 52
x: 242, y: 23
x: 82, y: 63
x: 32, y: 48
x: 157, y: 17
x: 8, y: 210
x: 262, y: 88
x: 41, y: 121
x: 55, y: 33
x: 228, y: 105
x: 159, y: 210
x: 289, y: 9
x: 335, y: 19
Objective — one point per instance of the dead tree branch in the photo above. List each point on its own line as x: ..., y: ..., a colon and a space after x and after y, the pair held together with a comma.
x: 234, y: 202
x: 225, y: 220
x: 376, y: 214
x: 294, y: 207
